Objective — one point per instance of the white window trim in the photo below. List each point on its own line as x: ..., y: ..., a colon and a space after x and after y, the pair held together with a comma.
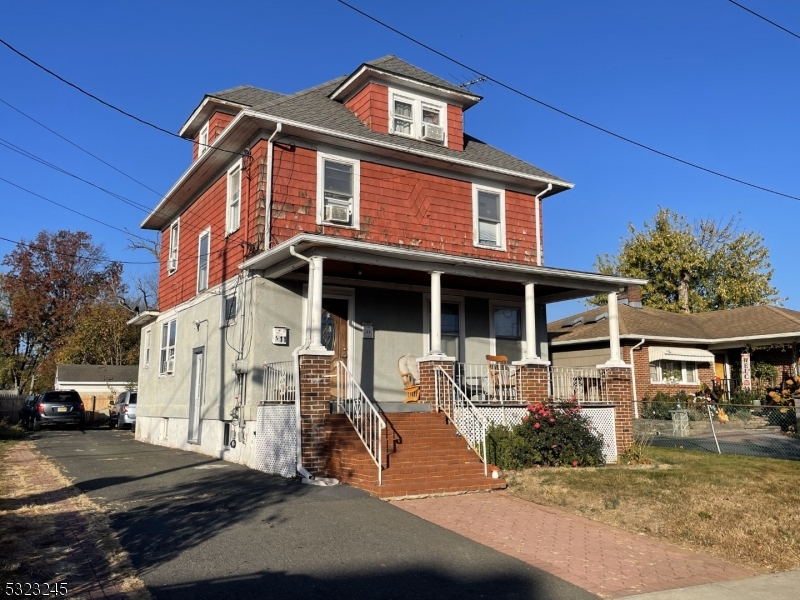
x: 492, y: 339
x: 167, y: 347
x: 344, y: 158
x: 476, y: 187
x: 205, y: 232
x: 229, y: 226
x: 202, y: 140
x: 462, y: 324
x: 223, y: 322
x: 173, y: 250
x: 416, y: 102
x: 147, y: 346
x: 685, y: 368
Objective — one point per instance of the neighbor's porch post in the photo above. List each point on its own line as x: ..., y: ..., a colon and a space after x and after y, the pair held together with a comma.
x: 615, y: 360
x: 315, y: 302
x: 436, y: 313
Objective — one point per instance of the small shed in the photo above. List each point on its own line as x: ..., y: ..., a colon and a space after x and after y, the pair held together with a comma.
x: 102, y: 381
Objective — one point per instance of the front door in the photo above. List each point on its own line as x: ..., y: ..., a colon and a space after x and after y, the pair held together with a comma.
x: 334, y: 333
x: 196, y: 398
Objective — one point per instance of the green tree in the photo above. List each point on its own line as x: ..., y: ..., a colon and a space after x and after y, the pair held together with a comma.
x: 694, y: 266
x: 101, y: 336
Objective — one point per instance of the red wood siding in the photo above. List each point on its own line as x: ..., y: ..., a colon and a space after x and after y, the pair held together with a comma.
x: 455, y: 128
x: 371, y: 105
x: 216, y: 124
x: 399, y: 207
x: 209, y: 210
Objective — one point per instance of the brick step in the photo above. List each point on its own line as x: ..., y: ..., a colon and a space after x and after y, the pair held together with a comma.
x: 397, y: 490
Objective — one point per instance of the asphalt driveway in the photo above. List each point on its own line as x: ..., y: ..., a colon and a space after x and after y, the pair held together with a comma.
x: 199, y: 528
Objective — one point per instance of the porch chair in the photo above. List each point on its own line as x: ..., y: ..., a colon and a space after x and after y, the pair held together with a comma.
x: 409, y: 372
x: 502, y: 379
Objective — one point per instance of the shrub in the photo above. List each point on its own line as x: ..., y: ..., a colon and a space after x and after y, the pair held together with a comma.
x: 749, y: 397
x: 551, y: 436
x: 11, y: 432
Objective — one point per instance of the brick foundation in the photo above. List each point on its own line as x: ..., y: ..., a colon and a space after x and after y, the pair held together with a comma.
x: 427, y: 379
x: 315, y: 397
x: 533, y: 381
x: 619, y: 392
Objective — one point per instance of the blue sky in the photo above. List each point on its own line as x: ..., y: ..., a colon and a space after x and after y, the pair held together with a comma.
x: 702, y: 80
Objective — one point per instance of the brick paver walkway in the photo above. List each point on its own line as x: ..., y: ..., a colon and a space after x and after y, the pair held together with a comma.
x: 91, y: 577
x: 599, y: 558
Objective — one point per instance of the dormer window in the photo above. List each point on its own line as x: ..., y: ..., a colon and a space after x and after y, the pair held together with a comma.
x: 417, y: 117
x: 202, y: 141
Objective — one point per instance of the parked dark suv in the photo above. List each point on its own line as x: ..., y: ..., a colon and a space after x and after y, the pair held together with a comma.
x: 61, y: 407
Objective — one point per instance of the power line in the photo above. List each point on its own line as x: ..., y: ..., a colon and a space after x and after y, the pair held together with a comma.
x: 72, y: 210
x: 121, y: 172
x: 31, y: 156
x: 563, y: 112
x: 103, y: 102
x: 106, y: 260
x: 763, y: 18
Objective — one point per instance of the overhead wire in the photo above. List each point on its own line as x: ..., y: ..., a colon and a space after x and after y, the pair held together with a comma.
x: 565, y: 113
x: 763, y: 18
x: 66, y: 254
x: 100, y: 100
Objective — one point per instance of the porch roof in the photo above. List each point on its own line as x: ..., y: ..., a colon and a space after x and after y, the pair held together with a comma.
x: 556, y: 284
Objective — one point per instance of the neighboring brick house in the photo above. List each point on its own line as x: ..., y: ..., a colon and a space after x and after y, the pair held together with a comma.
x: 354, y: 221
x: 680, y: 351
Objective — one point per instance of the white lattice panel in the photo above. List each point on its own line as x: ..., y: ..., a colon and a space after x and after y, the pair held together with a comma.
x: 601, y: 419
x: 276, y: 439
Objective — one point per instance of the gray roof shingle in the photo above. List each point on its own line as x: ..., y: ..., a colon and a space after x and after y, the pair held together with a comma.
x: 246, y: 95
x: 392, y: 64
x: 313, y: 107
x: 87, y: 373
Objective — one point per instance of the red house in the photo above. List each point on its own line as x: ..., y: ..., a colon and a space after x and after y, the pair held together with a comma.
x: 333, y: 253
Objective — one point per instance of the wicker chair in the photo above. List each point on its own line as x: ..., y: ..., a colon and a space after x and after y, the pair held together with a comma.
x: 409, y: 373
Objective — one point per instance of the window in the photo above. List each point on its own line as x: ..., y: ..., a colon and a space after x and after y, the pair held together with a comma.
x: 168, y: 335
x: 228, y: 310
x: 147, y: 347
x: 337, y: 190
x: 203, y: 250
x: 417, y: 117
x: 453, y: 337
x: 488, y: 208
x: 507, y: 330
x: 202, y: 141
x: 670, y: 371
x: 234, y: 198
x: 172, y: 259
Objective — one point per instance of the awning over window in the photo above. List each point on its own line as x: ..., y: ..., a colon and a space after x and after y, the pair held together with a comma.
x: 680, y: 354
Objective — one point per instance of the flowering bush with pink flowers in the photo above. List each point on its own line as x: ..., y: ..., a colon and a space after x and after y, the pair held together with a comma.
x: 553, y: 435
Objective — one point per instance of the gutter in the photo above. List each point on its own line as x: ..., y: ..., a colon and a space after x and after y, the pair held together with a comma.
x: 538, y: 198
x: 679, y: 340
x: 268, y: 216
x: 633, y: 381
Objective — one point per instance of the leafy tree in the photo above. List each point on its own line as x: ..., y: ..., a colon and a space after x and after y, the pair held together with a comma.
x: 101, y: 336
x: 47, y: 286
x: 694, y: 266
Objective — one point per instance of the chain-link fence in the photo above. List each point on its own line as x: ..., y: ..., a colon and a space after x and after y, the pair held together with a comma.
x: 745, y: 429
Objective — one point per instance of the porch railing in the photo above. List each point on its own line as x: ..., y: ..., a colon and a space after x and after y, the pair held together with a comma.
x: 494, y: 383
x: 580, y: 384
x: 279, y: 382
x: 363, y: 414
x: 453, y: 401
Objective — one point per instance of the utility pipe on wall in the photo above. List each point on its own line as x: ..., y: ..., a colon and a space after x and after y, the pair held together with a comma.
x: 633, y: 381
x: 539, y: 224
x: 268, y: 215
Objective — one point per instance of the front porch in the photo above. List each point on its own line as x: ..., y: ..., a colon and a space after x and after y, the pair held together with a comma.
x: 478, y: 330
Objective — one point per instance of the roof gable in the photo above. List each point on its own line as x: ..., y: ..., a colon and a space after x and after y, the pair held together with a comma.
x: 97, y: 373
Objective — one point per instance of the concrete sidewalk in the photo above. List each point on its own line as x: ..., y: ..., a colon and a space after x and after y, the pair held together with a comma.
x: 199, y: 528
x: 775, y: 586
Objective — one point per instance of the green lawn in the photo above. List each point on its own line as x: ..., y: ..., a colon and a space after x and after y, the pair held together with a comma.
x: 743, y: 509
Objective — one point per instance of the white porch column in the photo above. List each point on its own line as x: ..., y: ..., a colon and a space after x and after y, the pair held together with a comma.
x: 315, y: 302
x: 615, y: 360
x: 436, y: 313
x: 530, y: 323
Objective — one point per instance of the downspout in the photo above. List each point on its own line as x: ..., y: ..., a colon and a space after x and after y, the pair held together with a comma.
x: 633, y: 381
x: 307, y: 477
x: 538, y: 198
x: 268, y: 211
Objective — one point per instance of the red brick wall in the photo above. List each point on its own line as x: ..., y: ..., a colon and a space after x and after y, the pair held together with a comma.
x: 314, y: 409
x: 398, y: 207
x: 618, y: 391
x: 705, y: 374
x: 455, y: 127
x: 209, y: 210
x: 779, y: 357
x: 371, y: 105
x: 534, y: 383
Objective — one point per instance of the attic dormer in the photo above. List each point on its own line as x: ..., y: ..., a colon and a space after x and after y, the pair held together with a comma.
x: 394, y: 97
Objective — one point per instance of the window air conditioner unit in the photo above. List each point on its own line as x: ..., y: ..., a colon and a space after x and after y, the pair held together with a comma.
x: 172, y: 264
x: 337, y: 214
x: 433, y: 133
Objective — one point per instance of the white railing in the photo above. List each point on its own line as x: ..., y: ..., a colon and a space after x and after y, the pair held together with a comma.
x: 363, y: 414
x: 493, y: 383
x: 279, y: 382
x: 580, y: 384
x: 453, y: 401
